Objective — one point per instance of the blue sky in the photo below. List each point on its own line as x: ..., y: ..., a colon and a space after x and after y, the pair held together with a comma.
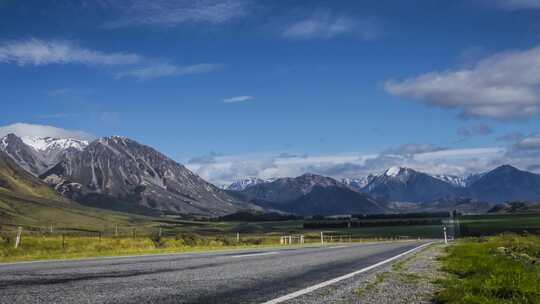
x: 263, y: 88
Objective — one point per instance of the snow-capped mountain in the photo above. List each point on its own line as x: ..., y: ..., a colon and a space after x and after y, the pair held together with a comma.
x: 37, y: 154
x: 399, y: 184
x: 242, y: 184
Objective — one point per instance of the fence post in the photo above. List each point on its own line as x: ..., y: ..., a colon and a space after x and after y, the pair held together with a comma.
x: 18, y: 239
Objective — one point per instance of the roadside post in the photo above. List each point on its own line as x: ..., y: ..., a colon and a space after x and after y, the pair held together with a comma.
x: 445, y: 236
x: 238, y: 237
x: 18, y: 239
x: 322, y: 239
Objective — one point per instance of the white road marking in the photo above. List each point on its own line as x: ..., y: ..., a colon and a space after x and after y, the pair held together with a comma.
x: 253, y: 254
x: 335, y: 280
x: 343, y: 246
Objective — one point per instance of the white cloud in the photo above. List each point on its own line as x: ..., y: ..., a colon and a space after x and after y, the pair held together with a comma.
x: 41, y: 52
x: 169, y: 13
x: 326, y: 26
x: 24, y: 129
x: 518, y: 4
x: 238, y: 99
x: 504, y: 86
x: 162, y: 70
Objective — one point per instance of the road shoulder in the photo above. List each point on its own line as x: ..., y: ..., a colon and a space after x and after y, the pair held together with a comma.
x: 408, y: 280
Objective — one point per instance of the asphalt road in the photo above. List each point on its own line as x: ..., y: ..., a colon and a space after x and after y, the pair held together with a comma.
x: 243, y: 276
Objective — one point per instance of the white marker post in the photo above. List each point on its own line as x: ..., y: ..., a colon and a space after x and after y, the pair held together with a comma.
x: 445, y: 236
x: 238, y: 237
x: 322, y: 239
x: 18, y: 239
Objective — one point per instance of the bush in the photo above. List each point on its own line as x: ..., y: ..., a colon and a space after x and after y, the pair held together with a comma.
x: 189, y: 239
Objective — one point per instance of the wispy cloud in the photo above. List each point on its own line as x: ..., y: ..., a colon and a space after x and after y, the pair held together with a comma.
x: 41, y: 52
x: 25, y: 129
x: 238, y: 99
x: 165, y: 69
x: 44, y: 52
x: 326, y: 25
x: 169, y: 13
x: 505, y: 86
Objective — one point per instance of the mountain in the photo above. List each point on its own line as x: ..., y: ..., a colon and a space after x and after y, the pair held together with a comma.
x: 332, y: 200
x: 283, y: 190
x: 309, y: 194
x: 506, y: 183
x: 25, y: 156
x: 37, y: 154
x: 242, y: 184
x: 119, y: 173
x: 398, y: 184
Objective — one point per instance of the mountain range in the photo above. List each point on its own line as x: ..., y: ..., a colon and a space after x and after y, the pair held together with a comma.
x: 118, y: 173
x: 397, y: 189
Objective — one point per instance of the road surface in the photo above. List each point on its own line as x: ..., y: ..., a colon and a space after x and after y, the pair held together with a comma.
x: 242, y: 276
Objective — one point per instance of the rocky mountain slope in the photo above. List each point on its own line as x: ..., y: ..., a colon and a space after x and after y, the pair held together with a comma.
x: 119, y: 171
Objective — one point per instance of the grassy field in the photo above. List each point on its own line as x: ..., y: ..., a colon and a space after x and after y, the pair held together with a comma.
x: 181, y: 236
x: 498, y: 269
x: 481, y: 225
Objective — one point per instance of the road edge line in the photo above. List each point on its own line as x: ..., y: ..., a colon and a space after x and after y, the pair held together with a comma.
x: 341, y: 278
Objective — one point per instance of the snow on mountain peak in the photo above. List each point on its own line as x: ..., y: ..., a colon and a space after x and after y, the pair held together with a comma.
x: 242, y: 184
x: 393, y: 171
x: 44, y: 144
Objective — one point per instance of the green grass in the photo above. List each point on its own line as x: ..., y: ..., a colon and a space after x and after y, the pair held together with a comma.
x: 499, y: 269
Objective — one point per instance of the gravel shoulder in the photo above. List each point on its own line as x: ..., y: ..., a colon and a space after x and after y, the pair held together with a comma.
x: 408, y: 280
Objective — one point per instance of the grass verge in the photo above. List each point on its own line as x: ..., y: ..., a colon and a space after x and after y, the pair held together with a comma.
x: 499, y: 269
